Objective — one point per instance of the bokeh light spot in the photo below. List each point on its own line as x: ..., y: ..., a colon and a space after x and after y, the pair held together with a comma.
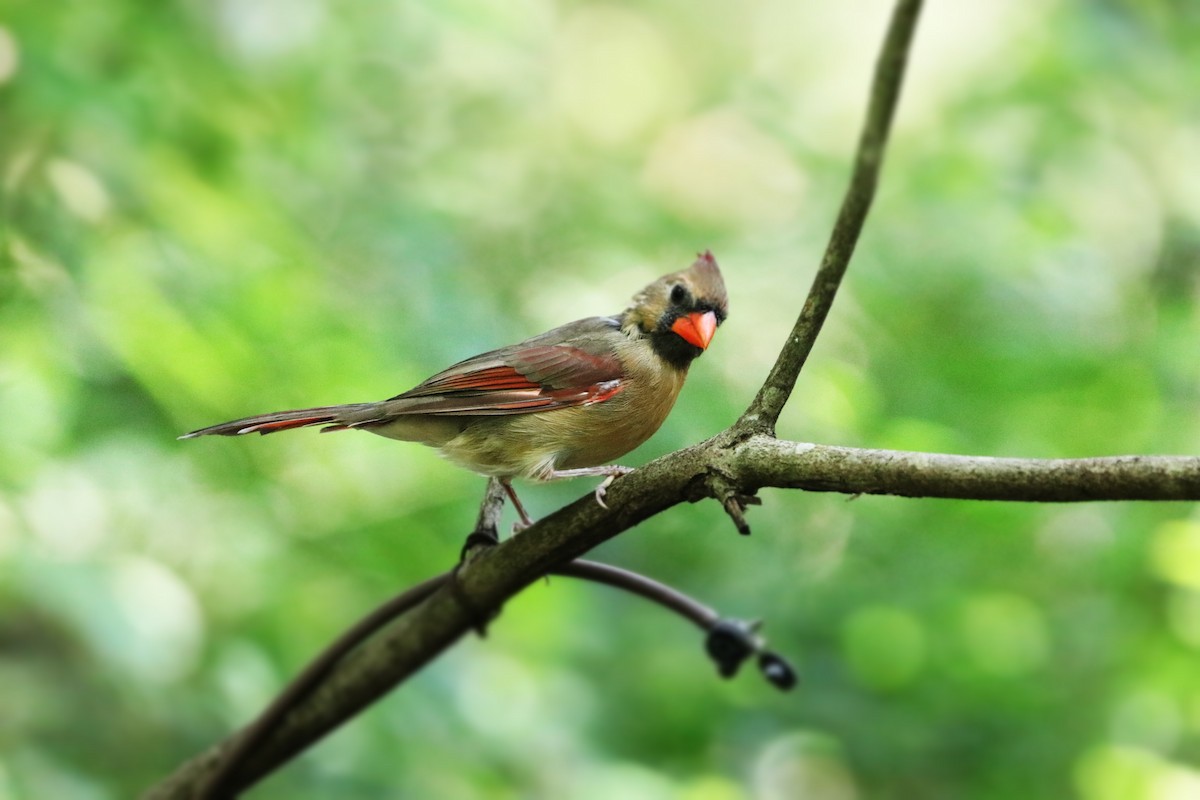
x: 884, y: 646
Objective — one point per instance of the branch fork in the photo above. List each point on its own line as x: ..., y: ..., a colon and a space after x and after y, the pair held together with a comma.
x: 729, y: 642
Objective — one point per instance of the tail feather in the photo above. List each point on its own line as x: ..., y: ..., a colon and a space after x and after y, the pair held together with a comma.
x: 338, y: 417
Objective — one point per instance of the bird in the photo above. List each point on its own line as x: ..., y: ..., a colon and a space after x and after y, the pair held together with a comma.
x: 562, y: 404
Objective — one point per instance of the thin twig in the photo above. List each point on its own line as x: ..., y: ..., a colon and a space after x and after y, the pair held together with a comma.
x: 729, y: 642
x: 701, y: 615
x: 764, y: 411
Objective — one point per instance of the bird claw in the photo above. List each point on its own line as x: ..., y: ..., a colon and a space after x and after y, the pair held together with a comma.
x: 602, y: 489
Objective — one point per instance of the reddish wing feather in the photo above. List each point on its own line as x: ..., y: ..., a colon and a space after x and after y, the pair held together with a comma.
x: 489, y: 380
x: 517, y: 380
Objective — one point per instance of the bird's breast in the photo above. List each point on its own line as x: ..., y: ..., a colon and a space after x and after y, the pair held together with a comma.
x: 594, y: 434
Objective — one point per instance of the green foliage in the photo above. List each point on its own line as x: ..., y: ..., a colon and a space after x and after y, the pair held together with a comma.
x: 209, y: 210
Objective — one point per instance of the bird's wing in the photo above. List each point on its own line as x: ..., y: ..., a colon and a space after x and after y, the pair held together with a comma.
x: 568, y: 366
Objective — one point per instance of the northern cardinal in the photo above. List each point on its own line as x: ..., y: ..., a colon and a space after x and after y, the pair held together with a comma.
x: 558, y: 405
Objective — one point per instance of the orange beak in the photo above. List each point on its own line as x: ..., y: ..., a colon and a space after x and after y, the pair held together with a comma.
x: 696, y: 328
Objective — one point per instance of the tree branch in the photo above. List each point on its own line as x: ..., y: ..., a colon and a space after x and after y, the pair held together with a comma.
x: 750, y: 464
x: 824, y: 468
x: 764, y: 411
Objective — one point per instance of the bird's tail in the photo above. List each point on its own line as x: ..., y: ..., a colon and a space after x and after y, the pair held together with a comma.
x: 337, y: 417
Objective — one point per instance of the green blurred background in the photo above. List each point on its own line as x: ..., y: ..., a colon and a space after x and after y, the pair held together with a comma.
x: 212, y: 209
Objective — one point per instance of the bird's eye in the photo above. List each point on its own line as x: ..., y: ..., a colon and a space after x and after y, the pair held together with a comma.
x: 678, y: 294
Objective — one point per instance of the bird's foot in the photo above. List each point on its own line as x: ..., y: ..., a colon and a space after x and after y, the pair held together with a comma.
x: 610, y: 472
x: 484, y: 538
x: 602, y: 489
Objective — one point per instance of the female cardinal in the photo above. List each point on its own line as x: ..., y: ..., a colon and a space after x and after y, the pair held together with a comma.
x: 559, y: 405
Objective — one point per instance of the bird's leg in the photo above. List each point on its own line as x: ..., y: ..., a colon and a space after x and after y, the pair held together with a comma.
x: 610, y: 472
x: 525, y: 520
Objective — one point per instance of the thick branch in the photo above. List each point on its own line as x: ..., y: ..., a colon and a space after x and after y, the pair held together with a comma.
x: 764, y: 412
x: 748, y: 464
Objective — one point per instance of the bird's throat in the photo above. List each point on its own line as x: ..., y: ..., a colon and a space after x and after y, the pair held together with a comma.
x: 671, y: 348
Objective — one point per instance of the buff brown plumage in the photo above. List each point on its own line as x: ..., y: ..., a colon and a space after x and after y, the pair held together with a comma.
x: 559, y: 405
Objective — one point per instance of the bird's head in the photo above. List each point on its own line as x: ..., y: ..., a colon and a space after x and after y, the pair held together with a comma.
x: 680, y: 312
